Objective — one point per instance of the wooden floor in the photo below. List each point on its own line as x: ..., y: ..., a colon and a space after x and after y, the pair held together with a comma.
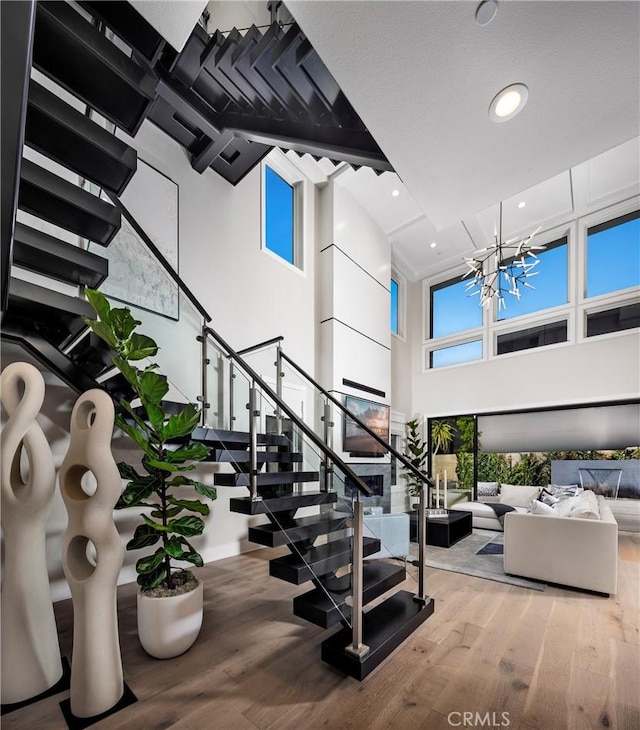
x: 552, y: 660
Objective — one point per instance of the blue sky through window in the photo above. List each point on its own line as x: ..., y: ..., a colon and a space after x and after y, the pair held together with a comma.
x: 394, y: 306
x: 279, y: 231
x: 550, y: 285
x: 453, y: 311
x: 613, y: 258
x: 457, y: 354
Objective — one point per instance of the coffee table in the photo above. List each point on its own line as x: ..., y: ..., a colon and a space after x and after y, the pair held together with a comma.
x: 444, y: 530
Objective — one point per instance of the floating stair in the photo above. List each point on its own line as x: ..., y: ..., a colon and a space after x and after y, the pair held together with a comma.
x: 63, y: 134
x: 247, y: 506
x: 62, y: 203
x: 304, y: 528
x: 78, y: 57
x: 266, y: 478
x: 36, y: 251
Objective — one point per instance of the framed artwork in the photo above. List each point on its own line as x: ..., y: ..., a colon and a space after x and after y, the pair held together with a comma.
x: 135, y: 275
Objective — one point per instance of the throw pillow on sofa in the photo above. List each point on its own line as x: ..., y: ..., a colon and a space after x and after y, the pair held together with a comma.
x: 548, y: 498
x: 586, y: 506
x: 540, y: 508
x: 488, y: 489
x: 564, y: 506
x: 516, y: 495
x: 562, y: 491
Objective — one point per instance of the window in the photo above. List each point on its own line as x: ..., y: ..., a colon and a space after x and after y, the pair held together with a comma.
x: 452, y: 310
x: 456, y: 354
x: 613, y: 255
x: 394, y: 307
x: 617, y: 319
x: 550, y: 284
x: 281, y: 217
x: 526, y: 339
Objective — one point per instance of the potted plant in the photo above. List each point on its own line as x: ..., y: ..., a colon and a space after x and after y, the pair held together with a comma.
x: 415, y: 449
x: 170, y: 517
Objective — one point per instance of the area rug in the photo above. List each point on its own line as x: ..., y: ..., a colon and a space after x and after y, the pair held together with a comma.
x: 476, y: 555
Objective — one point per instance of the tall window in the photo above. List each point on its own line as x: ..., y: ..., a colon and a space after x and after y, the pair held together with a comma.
x: 550, y: 284
x: 394, y: 307
x: 452, y: 310
x: 280, y: 217
x: 613, y: 255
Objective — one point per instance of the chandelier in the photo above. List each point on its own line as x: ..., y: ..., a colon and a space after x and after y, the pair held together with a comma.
x: 502, y: 268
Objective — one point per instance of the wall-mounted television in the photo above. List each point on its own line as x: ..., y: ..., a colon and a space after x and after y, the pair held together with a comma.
x: 375, y: 416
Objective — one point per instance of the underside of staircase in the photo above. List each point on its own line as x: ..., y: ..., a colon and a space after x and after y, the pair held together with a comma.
x: 228, y: 99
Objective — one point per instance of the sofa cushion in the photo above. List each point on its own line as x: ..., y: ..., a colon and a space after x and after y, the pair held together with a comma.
x: 517, y: 495
x: 586, y: 506
x: 488, y: 489
x: 564, y: 506
x: 540, y: 508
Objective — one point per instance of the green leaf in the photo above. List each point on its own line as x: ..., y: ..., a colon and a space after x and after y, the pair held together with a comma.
x: 157, y: 464
x: 169, y: 512
x: 135, y: 434
x: 155, y: 414
x: 122, y: 323
x: 194, y: 558
x: 187, y: 526
x: 204, y: 490
x: 153, y: 387
x: 99, y: 302
x: 103, y: 331
x: 191, y: 452
x: 155, y: 525
x: 129, y: 372
x: 149, y: 563
x: 143, y: 426
x: 141, y: 346
x: 136, y: 492
x: 183, y: 423
x: 193, y: 505
x: 173, y: 547
x: 127, y: 471
x: 143, y: 537
x: 151, y: 580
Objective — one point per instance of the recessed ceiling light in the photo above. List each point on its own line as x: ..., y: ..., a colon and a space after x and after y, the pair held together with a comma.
x: 508, y: 102
x: 395, y: 193
x: 521, y: 204
x: 486, y: 12
x: 433, y: 244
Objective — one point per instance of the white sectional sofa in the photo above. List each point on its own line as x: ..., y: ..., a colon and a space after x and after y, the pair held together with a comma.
x: 570, y: 551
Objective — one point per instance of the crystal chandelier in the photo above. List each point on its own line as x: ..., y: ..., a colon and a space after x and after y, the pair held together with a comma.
x: 502, y: 268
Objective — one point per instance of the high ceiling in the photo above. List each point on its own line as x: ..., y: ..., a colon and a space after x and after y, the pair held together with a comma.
x: 421, y: 76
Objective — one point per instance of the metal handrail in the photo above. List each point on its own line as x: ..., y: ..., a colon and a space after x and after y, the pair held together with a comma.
x: 309, y: 432
x: 403, y: 459
x: 260, y: 345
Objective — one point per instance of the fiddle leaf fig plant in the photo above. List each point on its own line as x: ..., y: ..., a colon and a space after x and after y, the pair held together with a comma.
x: 415, y: 449
x: 162, y: 486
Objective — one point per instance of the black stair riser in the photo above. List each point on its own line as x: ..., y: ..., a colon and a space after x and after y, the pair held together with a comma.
x: 266, y: 478
x: 63, y: 134
x: 307, y: 528
x: 319, y: 561
x: 68, y: 49
x: 43, y: 254
x: 385, y: 627
x: 62, y: 203
x: 246, y: 506
x: 219, y: 438
x: 324, y: 611
x: 93, y: 355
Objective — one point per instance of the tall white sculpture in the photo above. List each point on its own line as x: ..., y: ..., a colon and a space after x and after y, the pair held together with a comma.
x: 92, y: 555
x: 30, y: 650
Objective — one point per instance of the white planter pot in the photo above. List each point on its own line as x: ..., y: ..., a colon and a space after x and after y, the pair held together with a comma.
x: 168, y: 626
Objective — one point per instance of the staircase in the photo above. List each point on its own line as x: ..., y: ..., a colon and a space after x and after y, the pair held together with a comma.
x: 216, y: 98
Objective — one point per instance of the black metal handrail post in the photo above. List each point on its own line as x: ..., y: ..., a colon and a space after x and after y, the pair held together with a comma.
x: 357, y: 581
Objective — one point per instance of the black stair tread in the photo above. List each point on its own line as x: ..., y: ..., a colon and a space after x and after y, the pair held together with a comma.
x: 57, y: 316
x: 127, y: 23
x: 326, y: 608
x: 247, y: 506
x: 69, y: 137
x: 321, y: 560
x: 93, y: 355
x: 43, y: 254
x: 243, y: 479
x: 225, y: 439
x: 240, y: 456
x: 304, y: 528
x: 385, y: 627
x: 62, y: 203
x: 78, y: 57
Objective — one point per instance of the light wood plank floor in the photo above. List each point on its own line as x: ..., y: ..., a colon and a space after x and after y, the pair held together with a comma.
x: 552, y: 660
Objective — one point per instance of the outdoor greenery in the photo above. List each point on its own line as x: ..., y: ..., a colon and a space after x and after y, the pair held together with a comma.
x: 441, y: 435
x: 166, y: 449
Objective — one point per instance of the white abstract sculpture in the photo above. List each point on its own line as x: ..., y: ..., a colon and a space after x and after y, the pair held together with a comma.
x: 30, y: 650
x: 92, y: 555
